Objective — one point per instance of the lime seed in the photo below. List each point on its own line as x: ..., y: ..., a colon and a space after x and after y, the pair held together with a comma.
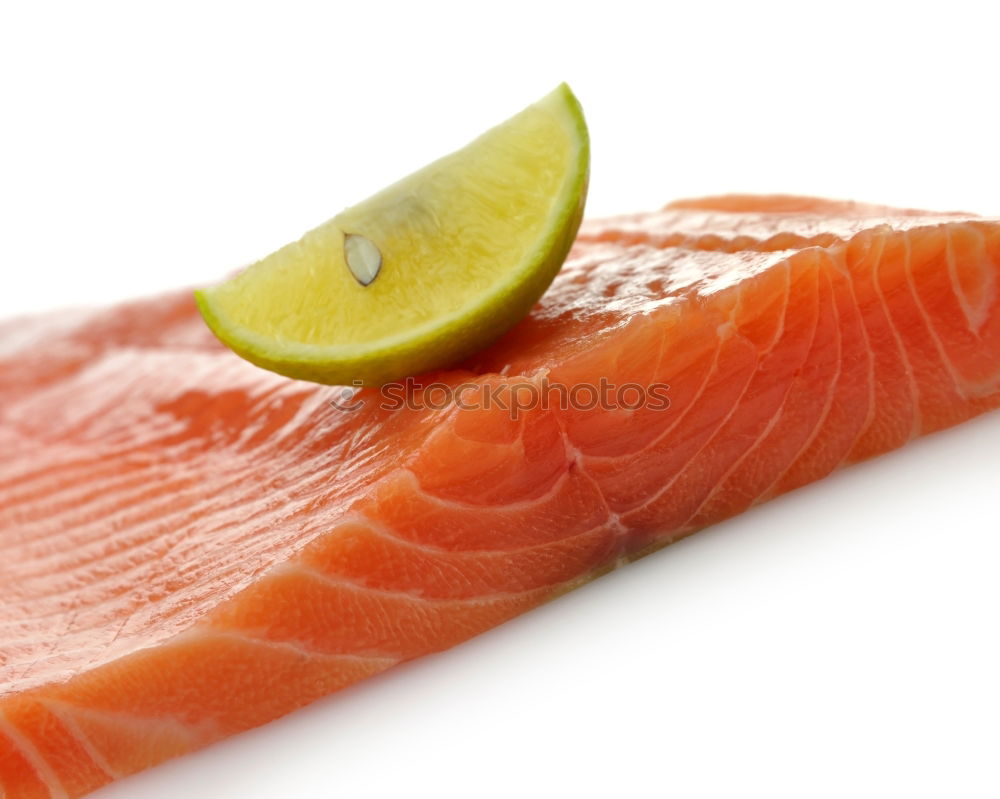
x: 363, y: 258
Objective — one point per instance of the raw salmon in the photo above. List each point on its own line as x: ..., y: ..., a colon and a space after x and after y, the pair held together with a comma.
x: 192, y: 546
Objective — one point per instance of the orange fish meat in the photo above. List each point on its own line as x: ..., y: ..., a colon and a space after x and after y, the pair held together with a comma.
x: 192, y: 546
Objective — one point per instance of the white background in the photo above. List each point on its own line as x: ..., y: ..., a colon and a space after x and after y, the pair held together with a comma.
x: 842, y: 641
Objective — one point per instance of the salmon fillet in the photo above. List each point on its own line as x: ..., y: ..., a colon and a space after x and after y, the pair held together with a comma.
x: 192, y: 546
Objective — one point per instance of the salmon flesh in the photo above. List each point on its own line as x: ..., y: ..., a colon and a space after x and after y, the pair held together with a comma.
x: 192, y: 546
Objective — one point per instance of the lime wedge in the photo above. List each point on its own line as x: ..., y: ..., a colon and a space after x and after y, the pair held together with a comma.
x: 427, y: 271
